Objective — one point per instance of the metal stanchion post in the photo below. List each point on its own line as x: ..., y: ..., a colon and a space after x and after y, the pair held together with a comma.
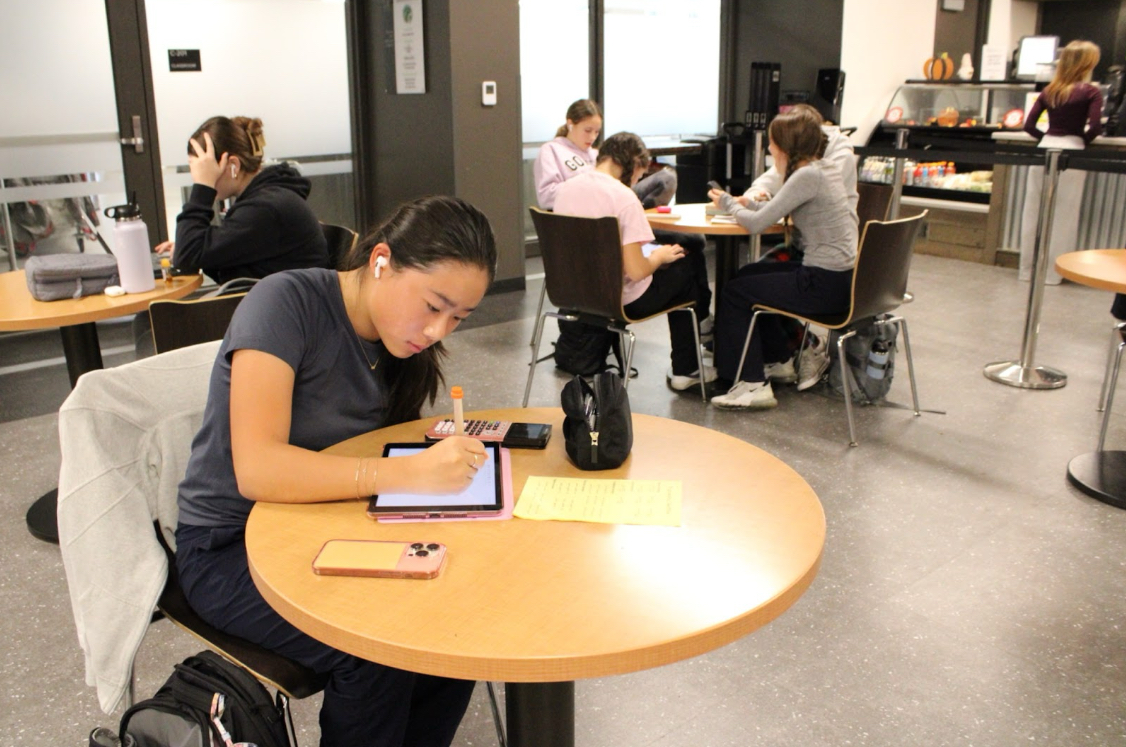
x: 758, y: 166
x: 1022, y: 373
x: 897, y: 178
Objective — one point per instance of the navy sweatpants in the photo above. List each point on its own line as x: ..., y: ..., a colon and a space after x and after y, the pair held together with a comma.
x: 784, y: 285
x: 365, y: 704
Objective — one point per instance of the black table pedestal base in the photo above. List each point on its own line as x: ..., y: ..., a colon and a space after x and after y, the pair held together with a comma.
x: 540, y: 714
x: 1101, y: 475
x: 42, y: 519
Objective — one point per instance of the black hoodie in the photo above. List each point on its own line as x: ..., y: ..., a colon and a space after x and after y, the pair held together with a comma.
x: 270, y: 228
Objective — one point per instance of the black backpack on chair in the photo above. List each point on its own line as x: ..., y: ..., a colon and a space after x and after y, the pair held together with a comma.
x: 205, y: 697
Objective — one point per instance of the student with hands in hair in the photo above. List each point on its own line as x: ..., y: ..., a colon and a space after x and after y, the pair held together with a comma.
x: 313, y: 357
x: 269, y: 228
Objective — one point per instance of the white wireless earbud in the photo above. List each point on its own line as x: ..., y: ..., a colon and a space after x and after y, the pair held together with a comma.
x: 234, y: 173
x: 380, y: 263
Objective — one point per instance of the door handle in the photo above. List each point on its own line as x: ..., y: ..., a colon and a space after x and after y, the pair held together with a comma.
x: 136, y: 141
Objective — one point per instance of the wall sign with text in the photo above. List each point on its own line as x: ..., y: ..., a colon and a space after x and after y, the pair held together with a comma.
x: 410, y: 47
x: 184, y: 61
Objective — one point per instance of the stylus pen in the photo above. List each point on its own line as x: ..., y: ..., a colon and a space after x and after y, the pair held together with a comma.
x: 459, y: 415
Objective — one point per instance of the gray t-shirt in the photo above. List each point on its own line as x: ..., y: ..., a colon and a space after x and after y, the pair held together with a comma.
x: 298, y: 316
x: 816, y: 198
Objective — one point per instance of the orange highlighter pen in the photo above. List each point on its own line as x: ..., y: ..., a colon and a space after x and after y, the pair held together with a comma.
x: 459, y: 415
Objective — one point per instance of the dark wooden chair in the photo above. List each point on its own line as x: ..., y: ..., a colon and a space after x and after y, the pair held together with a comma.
x: 177, y: 324
x: 874, y: 202
x: 340, y: 241
x: 879, y: 281
x: 582, y: 265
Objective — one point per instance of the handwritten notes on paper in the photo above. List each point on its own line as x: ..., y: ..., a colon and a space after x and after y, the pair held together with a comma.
x: 655, y: 502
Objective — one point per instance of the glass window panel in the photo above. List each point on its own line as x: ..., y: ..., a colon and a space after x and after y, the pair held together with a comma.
x: 654, y: 48
x: 283, y: 61
x: 59, y: 155
x: 554, y: 63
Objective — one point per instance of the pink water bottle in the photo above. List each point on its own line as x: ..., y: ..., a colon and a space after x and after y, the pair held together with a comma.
x: 131, y: 247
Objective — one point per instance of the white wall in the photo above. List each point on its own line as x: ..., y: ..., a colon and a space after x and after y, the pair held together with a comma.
x: 882, y: 44
x: 284, y: 61
x: 1009, y: 20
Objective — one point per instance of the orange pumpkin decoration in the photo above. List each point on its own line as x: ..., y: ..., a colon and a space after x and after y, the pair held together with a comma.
x: 939, y: 68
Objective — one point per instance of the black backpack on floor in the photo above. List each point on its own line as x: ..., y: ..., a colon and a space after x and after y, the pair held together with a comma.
x: 181, y: 712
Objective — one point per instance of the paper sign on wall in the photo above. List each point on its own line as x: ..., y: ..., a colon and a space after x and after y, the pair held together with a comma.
x: 994, y: 62
x: 410, y: 47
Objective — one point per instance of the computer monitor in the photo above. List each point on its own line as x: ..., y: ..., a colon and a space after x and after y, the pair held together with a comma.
x: 1033, y: 52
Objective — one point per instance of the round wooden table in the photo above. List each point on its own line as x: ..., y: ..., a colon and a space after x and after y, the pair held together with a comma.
x: 540, y: 604
x: 693, y: 218
x: 75, y: 319
x: 1100, y: 474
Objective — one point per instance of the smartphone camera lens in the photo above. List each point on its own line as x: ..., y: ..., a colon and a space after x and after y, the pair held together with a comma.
x: 421, y: 553
x: 432, y: 547
x: 417, y: 546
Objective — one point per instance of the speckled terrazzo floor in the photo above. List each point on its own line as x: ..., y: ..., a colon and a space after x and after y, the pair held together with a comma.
x: 968, y: 594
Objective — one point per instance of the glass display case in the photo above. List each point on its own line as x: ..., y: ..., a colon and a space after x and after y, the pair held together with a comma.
x: 947, y: 115
x: 948, y: 104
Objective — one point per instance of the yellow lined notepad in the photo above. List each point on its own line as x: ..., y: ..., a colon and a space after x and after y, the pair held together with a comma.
x: 655, y: 502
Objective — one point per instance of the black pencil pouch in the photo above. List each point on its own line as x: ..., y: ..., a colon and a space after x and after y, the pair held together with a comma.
x: 598, y: 427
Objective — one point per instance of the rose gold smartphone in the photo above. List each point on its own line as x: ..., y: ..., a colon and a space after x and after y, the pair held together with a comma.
x: 380, y: 559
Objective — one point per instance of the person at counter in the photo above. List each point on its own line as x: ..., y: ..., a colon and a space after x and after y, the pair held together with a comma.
x: 813, y: 195
x: 1074, y: 108
x: 652, y: 282
x: 311, y: 358
x: 270, y: 228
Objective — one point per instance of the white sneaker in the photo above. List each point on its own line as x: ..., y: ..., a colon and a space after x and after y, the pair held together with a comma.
x: 814, y: 363
x: 747, y: 395
x: 683, y: 383
x: 781, y: 373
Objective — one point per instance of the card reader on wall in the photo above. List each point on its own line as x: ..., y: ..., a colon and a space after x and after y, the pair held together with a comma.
x: 488, y: 93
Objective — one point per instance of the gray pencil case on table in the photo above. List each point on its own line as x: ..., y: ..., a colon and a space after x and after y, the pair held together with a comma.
x: 57, y: 276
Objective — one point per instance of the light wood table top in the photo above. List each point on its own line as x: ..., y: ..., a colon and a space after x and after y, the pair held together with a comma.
x: 19, y: 311
x: 692, y: 218
x: 527, y: 601
x: 1098, y: 268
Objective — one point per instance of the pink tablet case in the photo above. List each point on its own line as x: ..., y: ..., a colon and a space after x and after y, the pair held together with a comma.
x: 506, y: 500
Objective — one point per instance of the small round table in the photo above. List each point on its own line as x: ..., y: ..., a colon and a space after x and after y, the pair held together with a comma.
x: 694, y: 218
x: 1100, y: 474
x: 75, y: 319
x: 540, y: 604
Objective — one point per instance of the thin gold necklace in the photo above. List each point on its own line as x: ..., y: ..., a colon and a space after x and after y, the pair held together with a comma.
x: 363, y: 352
x: 360, y: 342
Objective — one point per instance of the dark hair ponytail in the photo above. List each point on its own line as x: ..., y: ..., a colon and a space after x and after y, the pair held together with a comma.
x: 423, y: 234
x: 626, y: 150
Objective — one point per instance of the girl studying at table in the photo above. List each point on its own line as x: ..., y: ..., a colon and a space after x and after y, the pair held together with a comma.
x: 813, y: 195
x: 269, y: 228
x: 313, y: 357
x: 652, y: 282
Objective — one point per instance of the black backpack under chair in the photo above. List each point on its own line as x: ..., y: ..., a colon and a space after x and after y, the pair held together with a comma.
x: 208, y: 700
